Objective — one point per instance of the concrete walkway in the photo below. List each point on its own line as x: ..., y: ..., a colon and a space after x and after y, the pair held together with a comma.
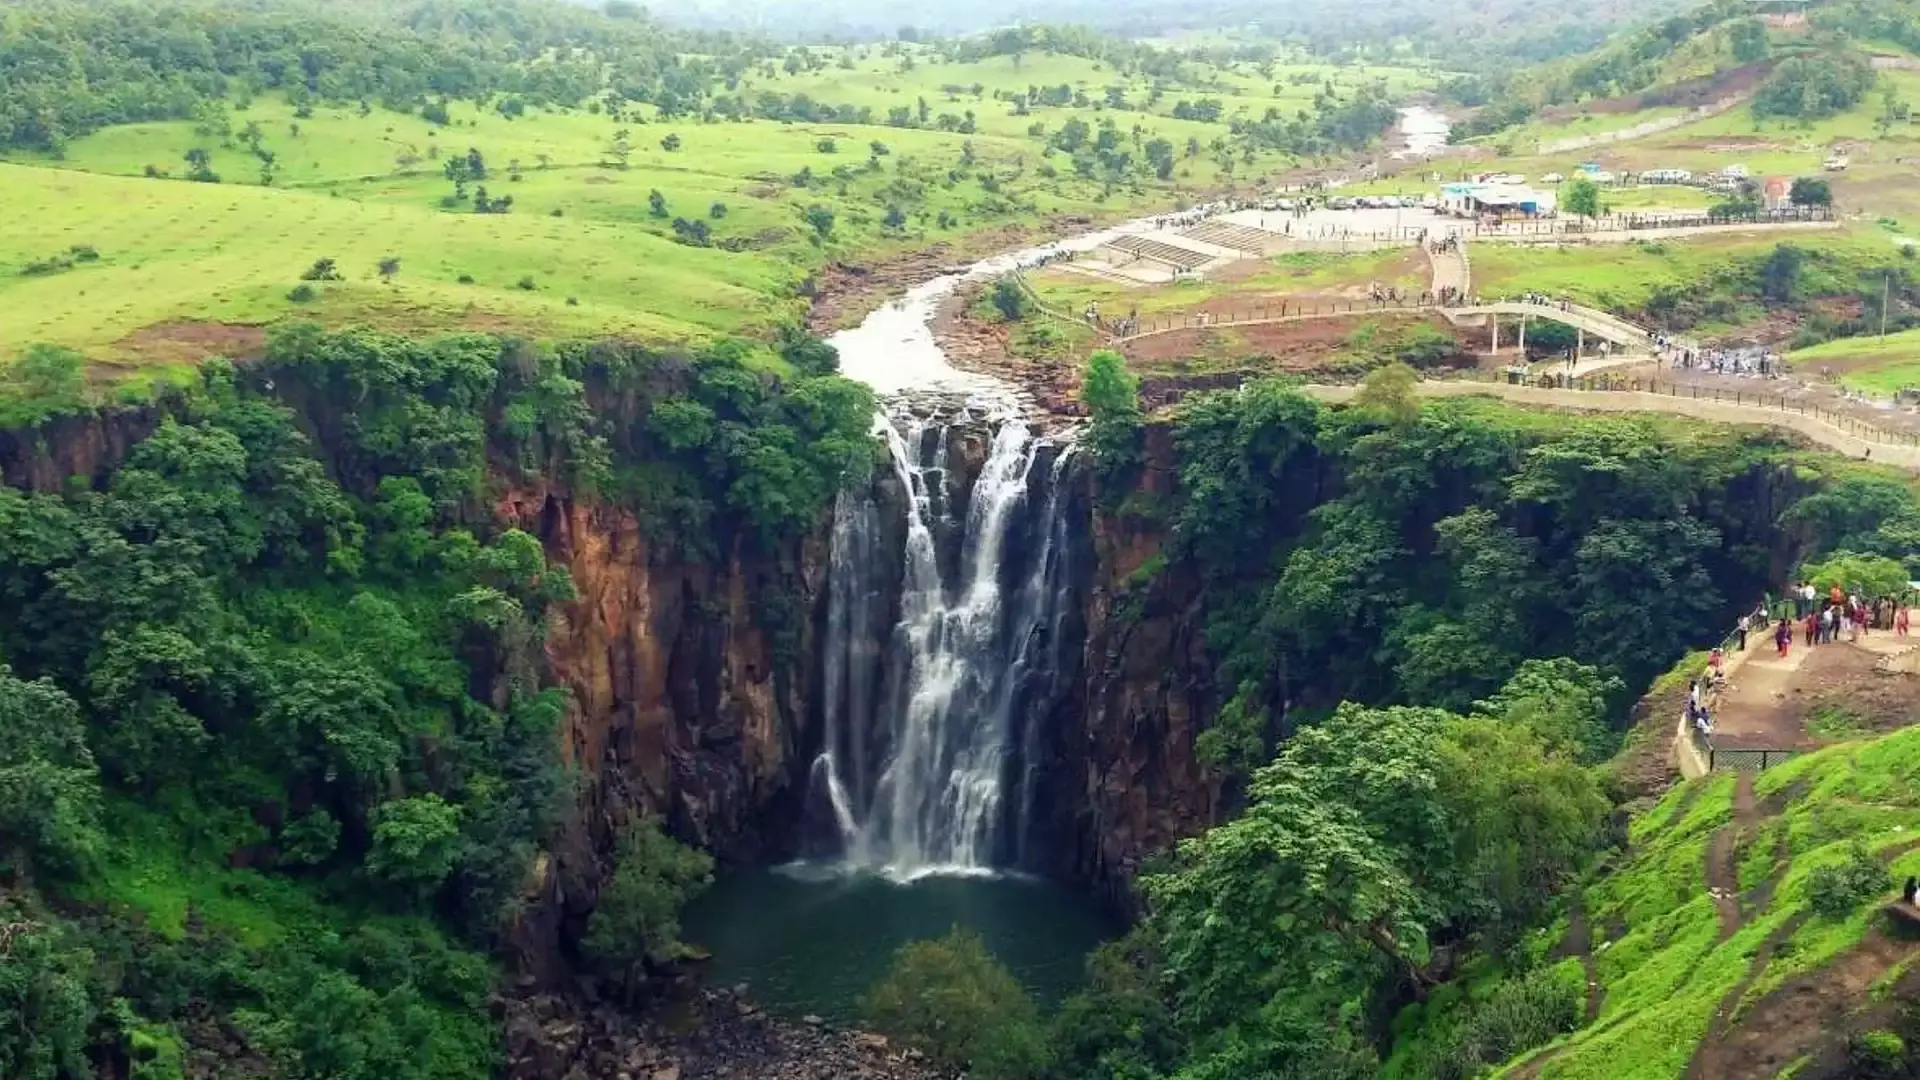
x: 1726, y: 412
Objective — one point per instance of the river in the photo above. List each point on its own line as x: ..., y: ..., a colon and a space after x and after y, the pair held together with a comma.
x: 1423, y: 132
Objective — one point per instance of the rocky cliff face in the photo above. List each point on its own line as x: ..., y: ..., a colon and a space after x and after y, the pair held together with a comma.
x: 684, y: 704
x: 1121, y: 778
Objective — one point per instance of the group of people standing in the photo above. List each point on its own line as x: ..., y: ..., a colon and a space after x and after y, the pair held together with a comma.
x: 1826, y: 619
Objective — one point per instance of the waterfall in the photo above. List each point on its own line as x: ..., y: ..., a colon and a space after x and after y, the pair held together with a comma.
x: 922, y: 739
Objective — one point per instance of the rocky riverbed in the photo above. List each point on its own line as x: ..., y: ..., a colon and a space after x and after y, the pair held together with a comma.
x: 708, y: 1034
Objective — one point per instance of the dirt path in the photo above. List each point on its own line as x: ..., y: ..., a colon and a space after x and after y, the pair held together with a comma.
x: 1723, y: 858
x: 1579, y: 942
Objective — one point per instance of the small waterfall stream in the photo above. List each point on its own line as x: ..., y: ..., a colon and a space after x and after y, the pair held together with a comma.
x: 923, y: 762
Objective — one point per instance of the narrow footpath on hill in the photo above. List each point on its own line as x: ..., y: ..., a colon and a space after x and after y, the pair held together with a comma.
x: 1764, y: 703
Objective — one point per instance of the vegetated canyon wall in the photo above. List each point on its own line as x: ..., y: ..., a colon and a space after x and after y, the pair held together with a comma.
x: 696, y: 679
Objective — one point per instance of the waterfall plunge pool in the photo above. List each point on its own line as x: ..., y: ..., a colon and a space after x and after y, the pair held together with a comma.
x: 814, y: 938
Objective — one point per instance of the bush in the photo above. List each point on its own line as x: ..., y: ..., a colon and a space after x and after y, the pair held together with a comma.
x: 636, y: 918
x: 465, y: 279
x: 1522, y: 1014
x: 1009, y: 299
x: 573, y: 301
x: 1112, y: 396
x: 1838, y: 889
x: 525, y: 283
x: 1876, y: 1054
x: 951, y: 1000
x: 301, y: 293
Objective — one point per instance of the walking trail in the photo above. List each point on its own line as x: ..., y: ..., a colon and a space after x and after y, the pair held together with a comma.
x: 1815, y: 429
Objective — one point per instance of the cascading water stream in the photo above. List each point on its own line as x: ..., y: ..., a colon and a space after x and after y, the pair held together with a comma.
x: 921, y: 740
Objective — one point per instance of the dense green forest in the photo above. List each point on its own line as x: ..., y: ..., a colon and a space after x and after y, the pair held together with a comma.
x: 279, y: 743
x: 287, y: 638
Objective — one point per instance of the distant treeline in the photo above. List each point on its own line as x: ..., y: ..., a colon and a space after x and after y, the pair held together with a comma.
x: 68, y: 68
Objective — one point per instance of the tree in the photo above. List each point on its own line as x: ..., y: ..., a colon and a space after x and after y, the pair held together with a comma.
x: 952, y: 1001
x: 670, y: 143
x: 47, y: 380
x: 45, y: 1010
x: 389, y: 268
x: 1871, y: 576
x: 827, y: 146
x: 821, y: 218
x: 1391, y: 390
x: 1010, y: 298
x: 1748, y: 39
x: 636, y: 917
x: 895, y: 219
x: 200, y: 166
x: 1112, y: 395
x: 619, y: 151
x: 656, y: 204
x: 1814, y: 87
x: 416, y: 842
x: 49, y: 788
x: 1582, y: 197
x: 435, y: 113
x: 717, y: 211
x: 1810, y: 191
x: 323, y: 269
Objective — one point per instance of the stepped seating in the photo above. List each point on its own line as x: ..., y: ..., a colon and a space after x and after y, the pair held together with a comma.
x: 1162, y: 252
x: 1228, y: 235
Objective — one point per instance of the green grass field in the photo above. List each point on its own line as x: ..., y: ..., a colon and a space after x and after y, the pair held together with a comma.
x: 176, y: 257
x: 1872, y: 364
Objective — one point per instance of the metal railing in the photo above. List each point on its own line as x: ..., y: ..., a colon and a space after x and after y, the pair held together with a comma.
x: 1603, y: 381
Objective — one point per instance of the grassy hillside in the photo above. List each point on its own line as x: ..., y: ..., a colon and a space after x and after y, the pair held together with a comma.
x: 1674, y: 967
x: 694, y: 204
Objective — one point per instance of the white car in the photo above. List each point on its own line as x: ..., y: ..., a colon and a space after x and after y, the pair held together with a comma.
x: 1835, y: 164
x: 1553, y: 178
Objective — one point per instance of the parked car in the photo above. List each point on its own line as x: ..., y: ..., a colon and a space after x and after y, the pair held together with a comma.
x: 1553, y: 178
x: 1836, y: 163
x: 1284, y: 204
x: 1339, y: 202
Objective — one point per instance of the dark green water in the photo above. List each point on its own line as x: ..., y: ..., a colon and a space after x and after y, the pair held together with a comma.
x: 813, y: 942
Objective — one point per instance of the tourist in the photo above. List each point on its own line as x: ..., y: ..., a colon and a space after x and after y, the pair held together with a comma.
x: 1900, y: 620
x: 1783, y: 637
x: 1741, y: 628
x: 1813, y: 626
x: 1826, y: 625
x: 1847, y: 625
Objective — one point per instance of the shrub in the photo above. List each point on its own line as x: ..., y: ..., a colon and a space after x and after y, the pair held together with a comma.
x: 573, y: 301
x: 1837, y: 889
x: 952, y: 1001
x: 717, y: 211
x: 465, y: 279
x: 323, y: 269
x: 301, y: 293
x: 1875, y: 1054
x: 525, y: 283
x: 636, y: 918
x: 1009, y: 299
x: 1522, y: 1014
